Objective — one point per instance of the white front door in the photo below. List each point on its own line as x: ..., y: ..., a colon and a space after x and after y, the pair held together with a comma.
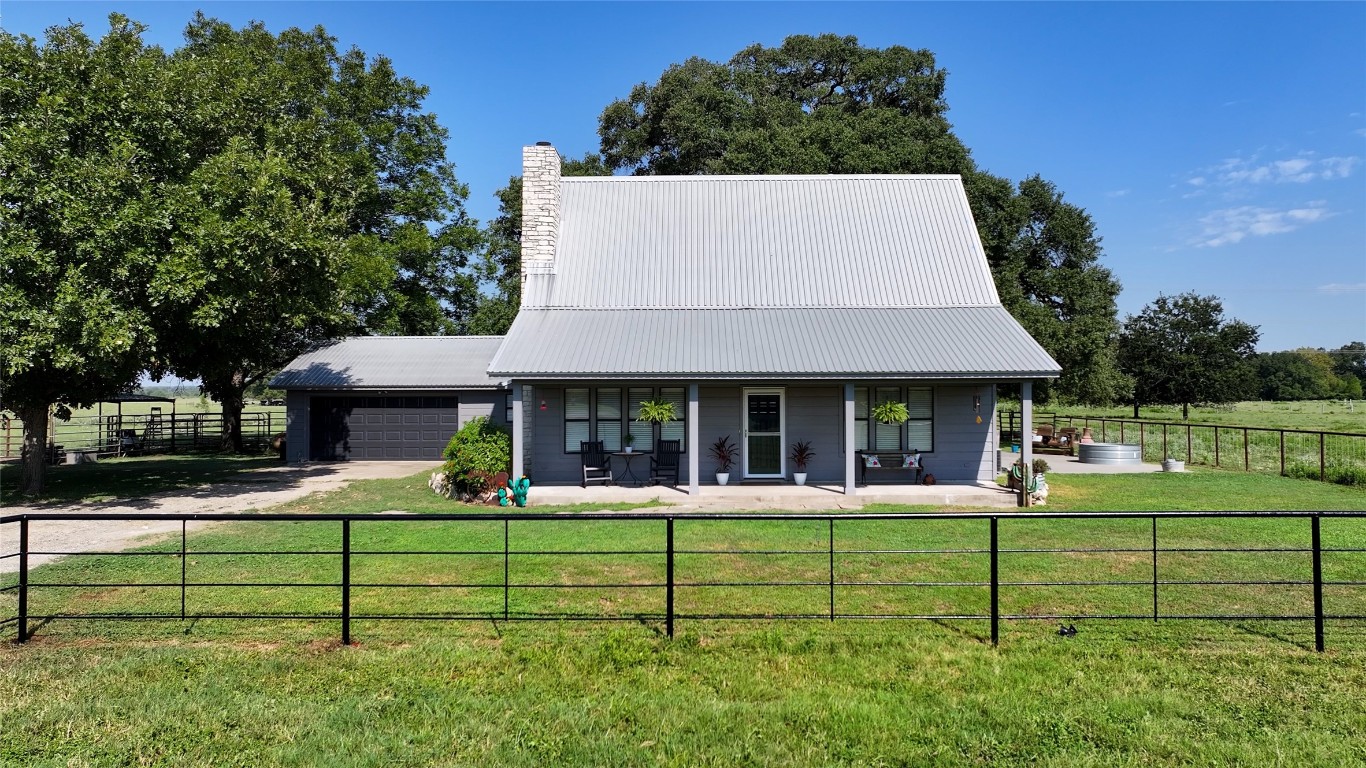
x: 762, y: 429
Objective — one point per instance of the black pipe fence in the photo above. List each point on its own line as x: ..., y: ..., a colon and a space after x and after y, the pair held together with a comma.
x: 139, y: 434
x: 837, y: 584
x: 1336, y: 457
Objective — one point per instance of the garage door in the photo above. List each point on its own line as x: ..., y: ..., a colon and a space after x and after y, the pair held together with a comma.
x: 371, y: 428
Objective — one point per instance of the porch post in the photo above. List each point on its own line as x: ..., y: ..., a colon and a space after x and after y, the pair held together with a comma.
x: 693, y: 447
x: 516, y: 430
x: 849, y: 439
x: 1026, y: 435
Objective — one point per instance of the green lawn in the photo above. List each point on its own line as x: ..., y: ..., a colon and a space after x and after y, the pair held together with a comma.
x: 887, y: 692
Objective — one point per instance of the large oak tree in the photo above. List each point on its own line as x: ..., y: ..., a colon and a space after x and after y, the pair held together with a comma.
x: 80, y: 215
x: 1182, y: 350
x: 826, y: 104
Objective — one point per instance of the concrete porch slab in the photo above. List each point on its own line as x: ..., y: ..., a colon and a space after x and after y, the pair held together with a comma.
x: 735, y: 498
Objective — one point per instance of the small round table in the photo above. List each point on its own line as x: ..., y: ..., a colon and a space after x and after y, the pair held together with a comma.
x: 629, y: 476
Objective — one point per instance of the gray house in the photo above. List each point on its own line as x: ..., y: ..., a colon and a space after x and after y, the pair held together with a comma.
x: 388, y: 397
x: 770, y: 309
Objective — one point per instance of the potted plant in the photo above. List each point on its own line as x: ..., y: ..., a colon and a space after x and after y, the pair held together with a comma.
x: 656, y: 412
x: 627, y: 440
x: 800, y: 456
x: 725, y: 453
x: 891, y: 412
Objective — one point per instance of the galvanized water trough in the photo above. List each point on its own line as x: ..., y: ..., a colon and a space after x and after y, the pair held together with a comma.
x: 1109, y: 453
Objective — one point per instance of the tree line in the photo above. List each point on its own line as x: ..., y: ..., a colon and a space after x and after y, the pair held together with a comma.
x: 214, y: 211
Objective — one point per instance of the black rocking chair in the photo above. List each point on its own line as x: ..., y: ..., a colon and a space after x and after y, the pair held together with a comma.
x: 664, y: 464
x: 597, y: 465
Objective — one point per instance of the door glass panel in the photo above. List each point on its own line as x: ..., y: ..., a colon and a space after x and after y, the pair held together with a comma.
x: 765, y: 454
x: 763, y: 413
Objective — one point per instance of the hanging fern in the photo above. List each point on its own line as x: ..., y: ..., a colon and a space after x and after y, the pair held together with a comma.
x: 658, y: 411
x: 891, y: 412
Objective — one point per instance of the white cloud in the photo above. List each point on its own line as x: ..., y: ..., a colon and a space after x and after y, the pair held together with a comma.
x: 1232, y: 225
x: 1304, y: 168
x: 1343, y: 288
x: 1117, y: 193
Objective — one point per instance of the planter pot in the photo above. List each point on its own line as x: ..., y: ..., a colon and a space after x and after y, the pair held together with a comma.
x: 722, y: 478
x: 628, y: 449
x: 1172, y: 465
x: 799, y: 478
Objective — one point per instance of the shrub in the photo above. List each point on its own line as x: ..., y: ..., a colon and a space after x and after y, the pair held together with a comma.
x: 475, y: 454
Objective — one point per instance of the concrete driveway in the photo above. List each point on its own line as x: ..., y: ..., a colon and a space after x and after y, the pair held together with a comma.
x: 253, y: 490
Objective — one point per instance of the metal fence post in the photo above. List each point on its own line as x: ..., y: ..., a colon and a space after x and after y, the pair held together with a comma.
x: 1282, y: 453
x: 1315, y: 544
x: 1154, y: 569
x: 505, y: 569
x: 832, y: 569
x: 1190, y: 457
x: 23, y: 580
x: 995, y: 586
x: 669, y: 575
x: 346, y: 583
x: 1323, y: 474
x: 1247, y: 463
x: 182, y: 569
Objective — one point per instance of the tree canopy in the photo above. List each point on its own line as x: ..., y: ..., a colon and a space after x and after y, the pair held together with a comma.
x: 212, y: 212
x: 80, y: 215
x: 1182, y: 350
x: 829, y: 105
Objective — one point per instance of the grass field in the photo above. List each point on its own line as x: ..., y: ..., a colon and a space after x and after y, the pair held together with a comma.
x: 1311, y: 415
x: 214, y: 692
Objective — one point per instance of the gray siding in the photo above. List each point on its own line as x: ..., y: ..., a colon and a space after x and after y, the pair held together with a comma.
x: 962, y: 447
x: 492, y: 404
x: 296, y: 425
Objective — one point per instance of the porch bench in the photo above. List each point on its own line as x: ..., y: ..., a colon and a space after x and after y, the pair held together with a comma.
x: 891, y: 460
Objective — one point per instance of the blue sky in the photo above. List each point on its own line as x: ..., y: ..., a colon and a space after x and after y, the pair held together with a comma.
x: 1221, y: 148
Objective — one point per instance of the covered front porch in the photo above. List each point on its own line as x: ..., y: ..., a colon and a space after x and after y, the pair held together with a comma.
x: 951, y: 429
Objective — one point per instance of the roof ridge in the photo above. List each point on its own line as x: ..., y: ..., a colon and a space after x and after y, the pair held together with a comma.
x: 774, y: 177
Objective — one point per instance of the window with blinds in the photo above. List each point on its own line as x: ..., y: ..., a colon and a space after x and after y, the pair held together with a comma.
x: 609, y: 418
x: 887, y: 437
x: 643, y: 430
x: 920, y: 427
x: 678, y: 428
x: 608, y: 413
x: 860, y: 418
x: 577, y: 422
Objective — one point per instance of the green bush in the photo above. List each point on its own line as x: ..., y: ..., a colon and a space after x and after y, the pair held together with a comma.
x: 478, y: 452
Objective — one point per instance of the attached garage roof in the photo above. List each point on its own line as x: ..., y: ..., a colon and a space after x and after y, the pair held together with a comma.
x: 395, y: 362
x: 940, y: 343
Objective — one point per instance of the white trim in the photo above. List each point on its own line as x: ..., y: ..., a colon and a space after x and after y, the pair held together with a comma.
x: 781, y: 392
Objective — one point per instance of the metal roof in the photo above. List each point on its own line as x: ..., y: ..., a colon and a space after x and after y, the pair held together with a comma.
x: 767, y: 276
x: 924, y: 343
x: 395, y: 362
x: 764, y: 241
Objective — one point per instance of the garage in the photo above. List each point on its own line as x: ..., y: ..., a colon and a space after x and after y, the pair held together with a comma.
x: 379, y: 427
x: 378, y: 398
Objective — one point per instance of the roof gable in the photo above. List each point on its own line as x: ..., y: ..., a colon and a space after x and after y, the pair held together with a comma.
x: 877, y: 241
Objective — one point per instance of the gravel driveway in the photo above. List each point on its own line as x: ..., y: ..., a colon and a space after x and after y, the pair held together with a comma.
x: 256, y: 489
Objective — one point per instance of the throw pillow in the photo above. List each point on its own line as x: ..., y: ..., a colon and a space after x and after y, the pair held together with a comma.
x: 871, y: 461
x: 910, y: 461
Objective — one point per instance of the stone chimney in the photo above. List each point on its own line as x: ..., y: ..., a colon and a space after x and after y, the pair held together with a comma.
x: 540, y: 208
